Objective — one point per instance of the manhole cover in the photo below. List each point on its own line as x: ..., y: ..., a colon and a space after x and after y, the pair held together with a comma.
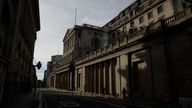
x: 69, y: 104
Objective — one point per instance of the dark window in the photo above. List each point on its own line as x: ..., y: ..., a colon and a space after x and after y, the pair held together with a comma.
x: 113, y: 35
x: 132, y: 24
x: 160, y: 9
x: 5, y: 15
x: 95, y: 43
x: 141, y: 19
x: 150, y: 15
x: 124, y: 29
x: 118, y: 32
x: 95, y: 34
x: 131, y: 14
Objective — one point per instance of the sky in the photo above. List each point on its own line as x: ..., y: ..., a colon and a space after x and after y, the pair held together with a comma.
x: 57, y: 16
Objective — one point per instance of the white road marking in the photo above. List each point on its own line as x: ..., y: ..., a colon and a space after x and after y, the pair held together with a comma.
x: 69, y: 104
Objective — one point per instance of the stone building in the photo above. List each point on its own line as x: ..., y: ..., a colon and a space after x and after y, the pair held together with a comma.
x: 79, y: 41
x: 51, y: 69
x: 141, y: 14
x: 149, y: 63
x: 19, y: 22
x: 144, y: 54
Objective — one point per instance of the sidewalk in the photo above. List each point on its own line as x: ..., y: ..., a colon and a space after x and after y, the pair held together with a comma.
x: 25, y: 101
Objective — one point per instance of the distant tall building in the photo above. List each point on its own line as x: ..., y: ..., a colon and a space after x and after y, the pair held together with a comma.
x: 51, y: 70
x: 19, y: 22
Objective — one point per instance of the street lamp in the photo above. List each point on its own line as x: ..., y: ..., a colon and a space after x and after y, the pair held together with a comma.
x: 38, y: 65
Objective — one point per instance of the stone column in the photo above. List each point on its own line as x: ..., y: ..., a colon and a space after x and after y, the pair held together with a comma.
x: 76, y: 79
x: 118, y: 76
x: 107, y: 77
x: 110, y: 77
x: 101, y: 69
x: 92, y: 78
x: 71, y: 78
x: 89, y: 80
x: 104, y: 77
x: 95, y: 80
x: 49, y: 81
x: 99, y: 77
x: 68, y: 80
x: 113, y: 75
x: 55, y: 81
x: 86, y: 79
x: 83, y: 80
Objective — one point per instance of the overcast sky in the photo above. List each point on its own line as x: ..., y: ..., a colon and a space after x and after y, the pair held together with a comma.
x: 58, y: 15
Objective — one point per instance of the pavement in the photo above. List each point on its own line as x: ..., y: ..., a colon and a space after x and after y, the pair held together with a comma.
x: 25, y: 100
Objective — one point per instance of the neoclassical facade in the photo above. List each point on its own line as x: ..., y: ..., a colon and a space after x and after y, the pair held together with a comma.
x: 151, y: 62
x: 142, y: 62
x: 142, y: 14
x: 81, y: 40
x: 78, y: 41
x: 19, y: 22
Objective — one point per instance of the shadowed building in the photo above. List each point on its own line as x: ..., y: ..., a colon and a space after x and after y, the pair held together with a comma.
x: 141, y: 14
x: 51, y: 69
x: 149, y: 63
x: 144, y: 54
x: 19, y: 22
x: 79, y: 41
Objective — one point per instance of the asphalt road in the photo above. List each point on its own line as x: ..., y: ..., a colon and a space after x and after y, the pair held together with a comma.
x: 64, y: 101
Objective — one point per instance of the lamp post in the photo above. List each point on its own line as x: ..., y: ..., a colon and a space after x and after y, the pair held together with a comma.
x: 38, y: 65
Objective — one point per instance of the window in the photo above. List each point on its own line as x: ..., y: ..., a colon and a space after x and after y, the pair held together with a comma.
x: 132, y: 24
x: 160, y: 9
x: 131, y: 14
x: 79, y: 43
x: 141, y: 19
x: 113, y: 35
x: 124, y: 29
x: 150, y: 15
x: 95, y: 43
x: 118, y: 32
x: 95, y: 34
x: 5, y: 15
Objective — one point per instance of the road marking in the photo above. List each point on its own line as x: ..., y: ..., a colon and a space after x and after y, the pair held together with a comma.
x: 69, y: 104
